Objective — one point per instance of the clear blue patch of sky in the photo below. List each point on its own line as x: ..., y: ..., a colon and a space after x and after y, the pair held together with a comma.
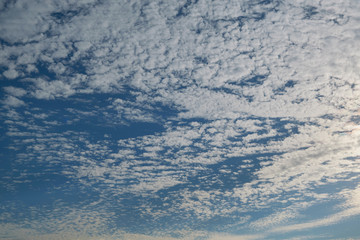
x: 100, y: 120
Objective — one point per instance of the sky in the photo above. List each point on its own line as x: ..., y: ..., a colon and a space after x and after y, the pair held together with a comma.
x: 179, y: 120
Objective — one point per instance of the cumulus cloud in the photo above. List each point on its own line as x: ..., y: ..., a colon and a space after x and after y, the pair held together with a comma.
x: 51, y: 90
x: 11, y: 73
x: 14, y: 91
x: 12, y: 101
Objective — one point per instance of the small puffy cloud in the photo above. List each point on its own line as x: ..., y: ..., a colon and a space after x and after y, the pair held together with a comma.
x: 11, y: 73
x: 132, y: 111
x: 52, y: 89
x: 14, y: 91
x: 12, y: 101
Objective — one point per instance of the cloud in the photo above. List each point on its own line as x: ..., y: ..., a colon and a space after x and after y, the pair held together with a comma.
x: 236, y: 237
x: 274, y: 219
x: 59, y: 222
x: 14, y: 91
x: 330, y: 220
x: 51, y: 90
x: 11, y: 73
x: 23, y: 22
x: 132, y: 111
x: 252, y: 97
x: 233, y: 80
x: 350, y: 209
x: 12, y: 101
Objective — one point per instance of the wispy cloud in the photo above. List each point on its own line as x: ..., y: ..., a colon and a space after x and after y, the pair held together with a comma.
x: 332, y: 219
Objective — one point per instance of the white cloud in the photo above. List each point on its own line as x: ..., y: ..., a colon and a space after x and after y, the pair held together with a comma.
x: 329, y: 220
x: 242, y: 76
x: 11, y: 73
x: 350, y: 208
x: 12, y: 101
x: 51, y: 90
x: 14, y: 91
x: 61, y: 224
x: 24, y: 22
x: 132, y: 111
x: 228, y: 65
x: 274, y: 219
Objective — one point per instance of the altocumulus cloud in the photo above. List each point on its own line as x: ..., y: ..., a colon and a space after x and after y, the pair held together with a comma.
x: 179, y: 119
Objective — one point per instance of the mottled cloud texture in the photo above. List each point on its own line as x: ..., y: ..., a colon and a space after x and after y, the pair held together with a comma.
x: 179, y: 119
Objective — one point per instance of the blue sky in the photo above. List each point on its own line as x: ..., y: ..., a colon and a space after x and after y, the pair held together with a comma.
x: 196, y: 120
